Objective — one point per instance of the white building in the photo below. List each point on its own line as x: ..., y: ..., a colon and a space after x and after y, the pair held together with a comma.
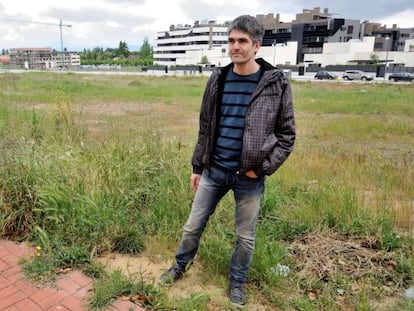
x: 173, y: 47
x: 280, y: 53
x: 409, y: 45
x: 191, y: 45
x: 342, y: 53
x: 65, y: 60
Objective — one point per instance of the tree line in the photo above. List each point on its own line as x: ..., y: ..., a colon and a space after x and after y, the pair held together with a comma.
x: 118, y: 56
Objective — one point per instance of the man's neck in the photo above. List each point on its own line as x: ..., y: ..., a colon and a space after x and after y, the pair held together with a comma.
x: 246, y: 68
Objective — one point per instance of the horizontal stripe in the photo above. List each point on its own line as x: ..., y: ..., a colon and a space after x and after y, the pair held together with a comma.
x: 233, y: 127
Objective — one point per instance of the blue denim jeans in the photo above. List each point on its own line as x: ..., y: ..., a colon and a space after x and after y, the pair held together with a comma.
x: 214, y: 184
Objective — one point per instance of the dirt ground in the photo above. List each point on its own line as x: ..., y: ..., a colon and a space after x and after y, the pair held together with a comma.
x: 316, y: 257
x: 150, y: 268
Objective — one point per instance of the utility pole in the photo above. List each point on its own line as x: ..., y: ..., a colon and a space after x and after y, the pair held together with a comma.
x: 387, y: 39
x: 60, y: 24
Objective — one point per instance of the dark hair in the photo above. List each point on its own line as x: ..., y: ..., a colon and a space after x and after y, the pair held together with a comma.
x: 250, y: 25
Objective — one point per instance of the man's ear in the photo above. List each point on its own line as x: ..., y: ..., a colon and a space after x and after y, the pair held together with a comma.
x: 257, y: 46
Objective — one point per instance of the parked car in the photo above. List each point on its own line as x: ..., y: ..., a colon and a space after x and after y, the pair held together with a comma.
x: 357, y: 75
x: 401, y: 76
x: 323, y: 74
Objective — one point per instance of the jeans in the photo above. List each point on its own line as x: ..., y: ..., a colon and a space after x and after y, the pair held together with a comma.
x: 214, y: 184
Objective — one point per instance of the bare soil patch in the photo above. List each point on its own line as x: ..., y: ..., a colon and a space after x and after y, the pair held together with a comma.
x: 99, y: 119
x: 150, y: 267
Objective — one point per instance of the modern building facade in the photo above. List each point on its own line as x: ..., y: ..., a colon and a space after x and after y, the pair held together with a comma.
x: 43, y: 59
x: 311, y: 29
x: 392, y: 39
x: 173, y: 44
x: 362, y: 52
x: 309, y: 32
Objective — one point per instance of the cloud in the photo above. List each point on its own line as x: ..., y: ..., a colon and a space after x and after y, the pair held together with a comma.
x: 92, y: 25
x: 352, y: 9
x: 97, y: 14
x: 219, y: 11
x: 121, y: 2
x: 104, y: 23
x: 402, y: 19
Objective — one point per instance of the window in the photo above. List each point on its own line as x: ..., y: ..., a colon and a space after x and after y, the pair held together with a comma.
x: 350, y: 29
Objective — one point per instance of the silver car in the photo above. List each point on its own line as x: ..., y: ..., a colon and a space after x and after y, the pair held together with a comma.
x: 357, y: 75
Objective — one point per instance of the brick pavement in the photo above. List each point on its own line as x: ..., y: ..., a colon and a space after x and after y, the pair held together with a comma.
x: 70, y: 293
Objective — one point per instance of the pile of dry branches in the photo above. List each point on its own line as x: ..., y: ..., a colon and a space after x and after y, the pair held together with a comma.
x: 326, y: 256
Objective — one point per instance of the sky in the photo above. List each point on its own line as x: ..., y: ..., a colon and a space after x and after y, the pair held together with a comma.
x: 104, y: 23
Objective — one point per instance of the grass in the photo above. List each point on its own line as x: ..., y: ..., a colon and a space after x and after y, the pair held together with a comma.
x: 96, y: 164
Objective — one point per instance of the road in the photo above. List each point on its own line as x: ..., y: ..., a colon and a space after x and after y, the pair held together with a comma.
x: 308, y: 76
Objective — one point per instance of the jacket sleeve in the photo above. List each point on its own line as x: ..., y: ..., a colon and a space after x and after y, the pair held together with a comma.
x: 284, y: 131
x: 204, y: 126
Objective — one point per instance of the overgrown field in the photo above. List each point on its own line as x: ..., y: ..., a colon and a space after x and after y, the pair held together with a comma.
x: 98, y: 164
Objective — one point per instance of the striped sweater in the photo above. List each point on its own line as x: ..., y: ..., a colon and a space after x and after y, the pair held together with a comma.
x: 237, y: 92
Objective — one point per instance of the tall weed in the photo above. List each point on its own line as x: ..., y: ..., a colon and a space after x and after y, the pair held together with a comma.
x: 77, y: 195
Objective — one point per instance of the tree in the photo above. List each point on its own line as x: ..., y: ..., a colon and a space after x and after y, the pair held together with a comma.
x: 146, y: 50
x: 120, y: 56
x: 123, y: 49
x: 204, y: 59
x: 374, y: 58
x: 146, y: 53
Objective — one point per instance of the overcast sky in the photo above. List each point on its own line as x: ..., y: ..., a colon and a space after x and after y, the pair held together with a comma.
x: 103, y: 23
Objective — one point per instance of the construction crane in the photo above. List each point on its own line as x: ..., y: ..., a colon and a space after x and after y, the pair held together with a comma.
x: 60, y: 24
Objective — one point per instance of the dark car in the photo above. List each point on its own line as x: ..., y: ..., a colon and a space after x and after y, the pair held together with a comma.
x: 401, y: 76
x: 323, y: 74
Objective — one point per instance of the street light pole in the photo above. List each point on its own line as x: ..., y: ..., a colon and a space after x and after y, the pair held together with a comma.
x: 386, y: 56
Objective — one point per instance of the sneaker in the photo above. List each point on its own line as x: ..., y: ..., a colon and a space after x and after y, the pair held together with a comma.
x: 172, y: 275
x: 237, y: 294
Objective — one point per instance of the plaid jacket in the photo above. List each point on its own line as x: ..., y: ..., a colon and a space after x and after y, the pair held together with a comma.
x: 269, y: 123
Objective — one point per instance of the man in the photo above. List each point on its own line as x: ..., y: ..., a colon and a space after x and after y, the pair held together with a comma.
x: 247, y: 130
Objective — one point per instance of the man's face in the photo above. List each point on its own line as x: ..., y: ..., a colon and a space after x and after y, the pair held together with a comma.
x: 241, y: 47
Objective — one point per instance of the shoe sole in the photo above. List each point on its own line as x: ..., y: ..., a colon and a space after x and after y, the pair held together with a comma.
x: 237, y: 305
x: 168, y: 284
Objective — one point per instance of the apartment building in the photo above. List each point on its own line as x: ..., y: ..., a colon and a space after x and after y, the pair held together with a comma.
x: 311, y: 29
x: 202, y: 36
x: 43, y: 58
x: 391, y: 39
